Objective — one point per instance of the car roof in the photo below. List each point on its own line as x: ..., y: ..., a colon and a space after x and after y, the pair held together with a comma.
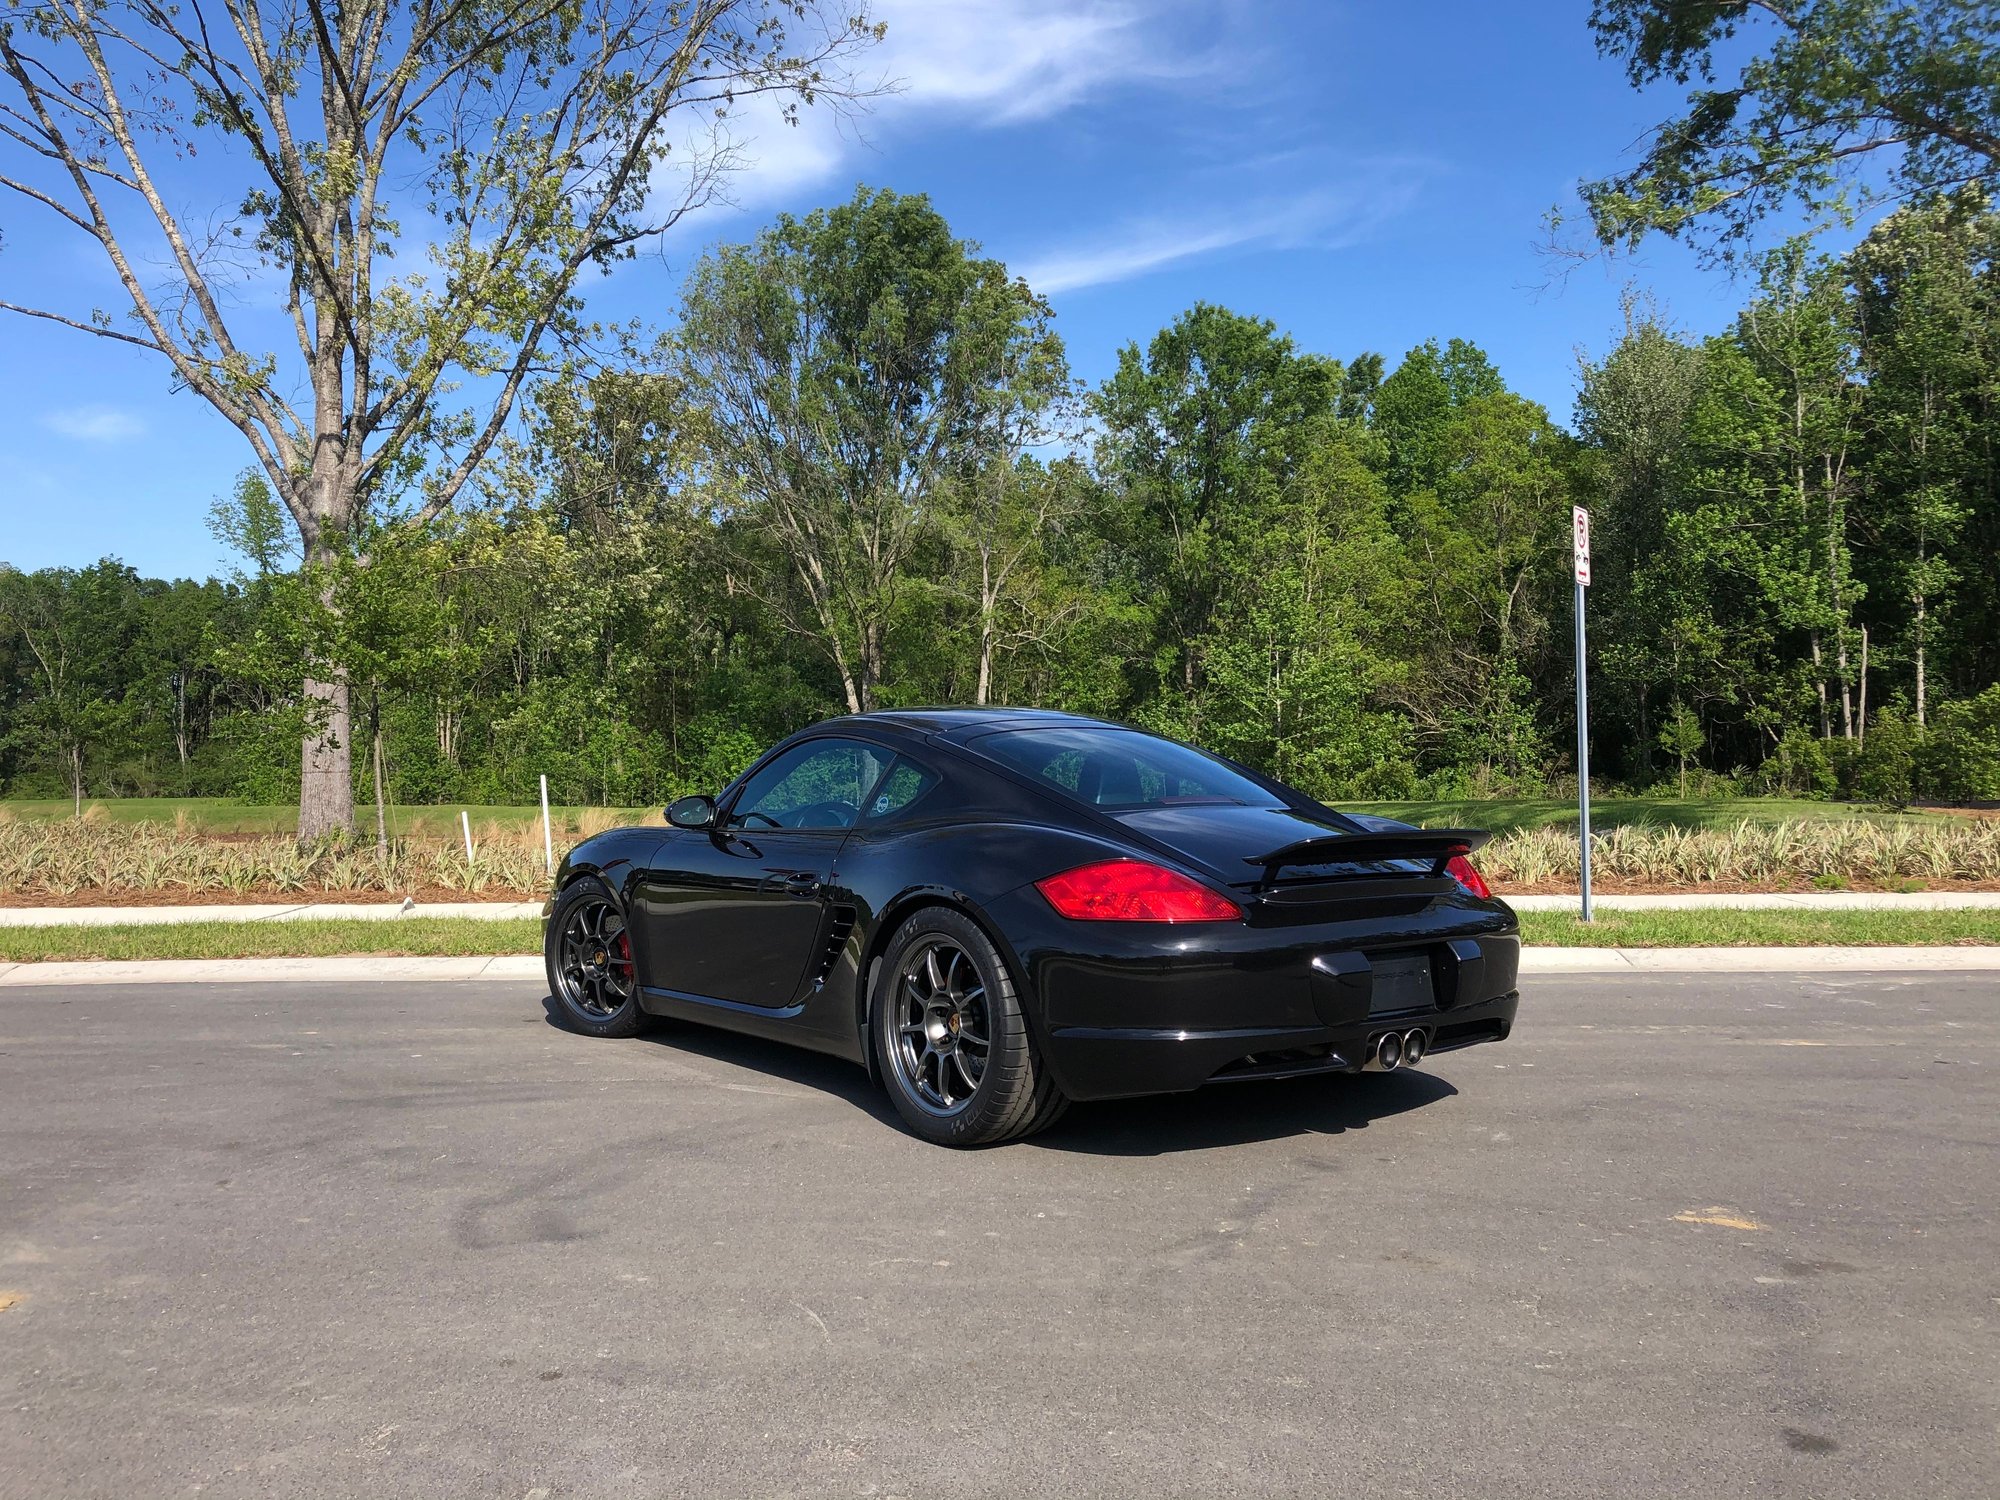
x: 958, y: 724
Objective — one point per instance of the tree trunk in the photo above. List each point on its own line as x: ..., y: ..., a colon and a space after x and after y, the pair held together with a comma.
x: 1846, y: 689
x: 1836, y: 526
x: 1819, y: 676
x: 326, y: 788
x: 1921, y: 680
x: 326, y: 785
x: 871, y: 665
x: 327, y: 510
x: 1861, y: 737
x: 987, y: 608
x: 381, y: 815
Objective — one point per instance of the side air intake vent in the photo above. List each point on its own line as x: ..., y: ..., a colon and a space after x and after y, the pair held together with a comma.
x: 841, y: 925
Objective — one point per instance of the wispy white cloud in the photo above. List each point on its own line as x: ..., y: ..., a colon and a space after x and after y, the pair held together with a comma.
x: 1325, y: 218
x: 963, y: 65
x: 1027, y: 59
x: 773, y: 152
x: 967, y: 62
x: 94, y: 424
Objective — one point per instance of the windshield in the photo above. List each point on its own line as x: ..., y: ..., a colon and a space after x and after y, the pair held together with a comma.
x: 1121, y: 768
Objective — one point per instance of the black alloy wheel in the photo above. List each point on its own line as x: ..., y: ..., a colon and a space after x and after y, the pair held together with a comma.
x: 943, y: 1036
x: 589, y: 961
x: 956, y: 1052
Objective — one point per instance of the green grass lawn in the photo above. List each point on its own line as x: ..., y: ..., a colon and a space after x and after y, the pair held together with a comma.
x: 226, y: 815
x: 1721, y: 928
x: 1505, y: 815
x: 423, y: 936
x: 456, y: 936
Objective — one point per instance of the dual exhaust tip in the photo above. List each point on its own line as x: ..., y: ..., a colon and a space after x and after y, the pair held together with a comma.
x: 1392, y: 1050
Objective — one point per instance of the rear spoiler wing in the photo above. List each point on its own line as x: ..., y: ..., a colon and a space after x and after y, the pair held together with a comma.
x: 1438, y: 845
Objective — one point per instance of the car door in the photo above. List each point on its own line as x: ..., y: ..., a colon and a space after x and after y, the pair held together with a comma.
x: 736, y: 912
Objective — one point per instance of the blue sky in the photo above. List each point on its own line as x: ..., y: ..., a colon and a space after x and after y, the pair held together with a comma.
x: 1365, y: 175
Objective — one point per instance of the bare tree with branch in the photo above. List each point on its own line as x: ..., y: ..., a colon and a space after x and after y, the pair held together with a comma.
x: 513, y: 144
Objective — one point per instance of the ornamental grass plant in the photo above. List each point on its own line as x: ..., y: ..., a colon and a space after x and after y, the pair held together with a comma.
x: 68, y: 858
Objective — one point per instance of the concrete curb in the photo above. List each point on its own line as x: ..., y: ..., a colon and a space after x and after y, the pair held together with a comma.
x: 153, y: 916
x: 1764, y: 901
x: 270, y: 970
x: 1538, y: 961
x: 526, y: 967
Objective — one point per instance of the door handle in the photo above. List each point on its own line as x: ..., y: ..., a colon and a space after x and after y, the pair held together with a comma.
x: 801, y: 883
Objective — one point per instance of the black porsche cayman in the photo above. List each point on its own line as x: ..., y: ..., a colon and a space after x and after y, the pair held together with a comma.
x: 996, y: 911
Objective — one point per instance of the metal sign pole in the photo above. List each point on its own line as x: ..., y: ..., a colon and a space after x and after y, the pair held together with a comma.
x: 1581, y: 520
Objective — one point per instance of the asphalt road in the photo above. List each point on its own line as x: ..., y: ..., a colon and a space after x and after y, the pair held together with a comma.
x: 1702, y: 1235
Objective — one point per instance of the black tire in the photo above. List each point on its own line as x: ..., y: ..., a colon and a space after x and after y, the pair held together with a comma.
x: 588, y: 955
x: 953, y: 1083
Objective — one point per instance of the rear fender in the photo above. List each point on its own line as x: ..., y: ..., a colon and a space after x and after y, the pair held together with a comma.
x: 891, y: 919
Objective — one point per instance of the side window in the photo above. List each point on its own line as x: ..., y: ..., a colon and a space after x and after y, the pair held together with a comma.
x: 1065, y: 769
x: 905, y: 783
x: 819, y: 784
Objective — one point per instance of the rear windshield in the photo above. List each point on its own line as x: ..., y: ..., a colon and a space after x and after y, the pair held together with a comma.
x: 1121, y: 768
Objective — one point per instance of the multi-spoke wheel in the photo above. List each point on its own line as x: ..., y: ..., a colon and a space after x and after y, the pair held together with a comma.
x: 955, y: 1048
x: 588, y: 953
x: 943, y: 1036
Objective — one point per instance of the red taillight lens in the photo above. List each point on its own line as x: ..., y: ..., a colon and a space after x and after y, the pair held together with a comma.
x: 1459, y: 868
x: 1127, y: 890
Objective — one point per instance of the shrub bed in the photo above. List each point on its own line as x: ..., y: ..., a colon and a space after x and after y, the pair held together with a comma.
x: 1768, y: 856
x: 58, y: 860
x: 69, y: 858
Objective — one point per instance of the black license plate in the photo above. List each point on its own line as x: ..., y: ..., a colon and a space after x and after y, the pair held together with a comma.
x: 1401, y: 983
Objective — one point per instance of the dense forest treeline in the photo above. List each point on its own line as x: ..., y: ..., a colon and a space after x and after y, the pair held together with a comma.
x: 856, y: 472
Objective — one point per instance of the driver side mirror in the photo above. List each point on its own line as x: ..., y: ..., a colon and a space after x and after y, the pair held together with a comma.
x: 691, y: 812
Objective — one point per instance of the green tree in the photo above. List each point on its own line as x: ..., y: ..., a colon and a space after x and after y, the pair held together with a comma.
x: 1682, y: 737
x: 178, y: 689
x: 1798, y: 337
x: 1413, y: 408
x: 850, y: 368
x: 1632, y: 411
x: 532, y: 140
x: 251, y: 523
x: 1007, y: 525
x: 1302, y: 661
x: 1203, y: 433
x: 1834, y: 105
x: 1488, y: 546
x: 78, y: 631
x: 1926, y: 319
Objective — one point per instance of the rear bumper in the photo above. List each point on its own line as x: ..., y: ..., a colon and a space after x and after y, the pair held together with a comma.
x: 1112, y: 1062
x: 1122, y: 1010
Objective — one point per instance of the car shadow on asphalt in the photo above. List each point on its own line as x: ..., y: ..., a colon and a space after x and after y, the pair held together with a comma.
x: 777, y: 1060
x: 1221, y: 1115
x: 1238, y: 1113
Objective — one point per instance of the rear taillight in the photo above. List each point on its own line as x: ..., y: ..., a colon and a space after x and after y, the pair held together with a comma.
x: 1459, y: 868
x: 1128, y: 890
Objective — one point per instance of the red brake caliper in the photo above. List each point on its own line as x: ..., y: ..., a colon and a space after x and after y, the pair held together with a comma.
x: 621, y: 955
